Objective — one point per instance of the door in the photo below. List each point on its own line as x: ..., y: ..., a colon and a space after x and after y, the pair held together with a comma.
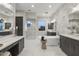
x: 19, y: 26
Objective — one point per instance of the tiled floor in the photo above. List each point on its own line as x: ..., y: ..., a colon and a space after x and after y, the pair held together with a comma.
x: 33, y: 48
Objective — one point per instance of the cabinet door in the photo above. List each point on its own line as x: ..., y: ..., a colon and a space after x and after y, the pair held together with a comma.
x: 21, y: 45
x: 65, y: 44
x: 61, y: 42
x: 70, y: 47
x: 76, y: 48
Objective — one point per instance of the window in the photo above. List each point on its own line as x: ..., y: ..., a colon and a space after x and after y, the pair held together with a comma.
x: 41, y: 24
x: 29, y: 24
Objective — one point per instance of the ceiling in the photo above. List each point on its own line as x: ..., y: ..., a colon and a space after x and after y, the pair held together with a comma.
x: 41, y: 9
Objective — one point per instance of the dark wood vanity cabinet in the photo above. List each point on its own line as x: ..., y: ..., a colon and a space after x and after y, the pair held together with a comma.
x: 5, y: 33
x: 51, y: 33
x: 75, y: 47
x: 21, y: 45
x: 69, y: 46
x: 17, y: 48
x: 64, y: 45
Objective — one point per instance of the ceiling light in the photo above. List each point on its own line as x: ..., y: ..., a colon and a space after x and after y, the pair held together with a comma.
x: 50, y: 6
x: 33, y: 6
x: 54, y: 20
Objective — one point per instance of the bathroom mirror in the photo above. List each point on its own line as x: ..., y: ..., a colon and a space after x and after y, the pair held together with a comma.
x: 29, y: 23
x: 74, y: 25
x: 74, y: 22
x: 50, y: 25
x: 7, y: 25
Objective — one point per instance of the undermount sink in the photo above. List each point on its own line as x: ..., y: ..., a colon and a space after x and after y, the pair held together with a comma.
x: 1, y: 45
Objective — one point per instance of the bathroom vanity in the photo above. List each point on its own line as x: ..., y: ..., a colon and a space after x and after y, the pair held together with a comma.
x: 5, y: 33
x: 70, y: 44
x: 14, y: 44
x: 51, y: 33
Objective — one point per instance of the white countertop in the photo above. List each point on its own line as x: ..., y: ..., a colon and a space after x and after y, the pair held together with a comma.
x: 8, y: 40
x: 5, y: 31
x: 73, y: 36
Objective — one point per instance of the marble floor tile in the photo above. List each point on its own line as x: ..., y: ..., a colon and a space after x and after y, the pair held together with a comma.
x: 33, y: 48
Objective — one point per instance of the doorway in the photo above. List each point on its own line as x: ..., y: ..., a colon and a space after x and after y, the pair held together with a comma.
x: 31, y: 28
x: 19, y: 26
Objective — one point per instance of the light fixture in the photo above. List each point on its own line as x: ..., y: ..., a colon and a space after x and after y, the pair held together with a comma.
x: 54, y: 20
x: 50, y: 6
x: 33, y: 6
x: 5, y: 21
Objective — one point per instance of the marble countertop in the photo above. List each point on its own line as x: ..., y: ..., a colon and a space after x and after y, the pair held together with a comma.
x: 73, y: 36
x: 8, y: 40
x: 5, y: 31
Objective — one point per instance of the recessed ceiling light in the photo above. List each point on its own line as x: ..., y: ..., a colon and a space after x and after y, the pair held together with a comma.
x: 50, y: 6
x: 33, y: 6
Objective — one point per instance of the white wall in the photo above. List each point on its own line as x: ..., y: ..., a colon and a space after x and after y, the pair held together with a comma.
x: 62, y: 18
x: 74, y: 15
